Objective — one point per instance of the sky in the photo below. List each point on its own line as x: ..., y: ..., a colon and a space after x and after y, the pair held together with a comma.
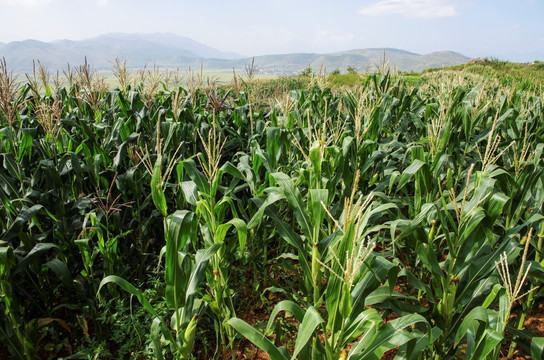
x: 503, y: 29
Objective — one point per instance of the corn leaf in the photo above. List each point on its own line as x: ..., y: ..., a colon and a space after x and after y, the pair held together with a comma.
x: 250, y: 333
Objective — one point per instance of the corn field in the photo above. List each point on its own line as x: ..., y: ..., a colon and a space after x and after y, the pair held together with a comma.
x: 382, y: 221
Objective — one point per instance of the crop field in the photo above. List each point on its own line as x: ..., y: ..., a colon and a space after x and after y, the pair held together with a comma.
x: 280, y: 219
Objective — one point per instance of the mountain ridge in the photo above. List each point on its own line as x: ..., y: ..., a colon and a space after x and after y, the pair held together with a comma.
x: 175, y: 51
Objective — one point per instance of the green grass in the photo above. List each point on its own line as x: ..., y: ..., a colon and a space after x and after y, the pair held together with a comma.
x: 346, y: 80
x: 522, y: 76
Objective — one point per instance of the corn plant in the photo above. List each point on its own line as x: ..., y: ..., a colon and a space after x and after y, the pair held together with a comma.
x: 353, y: 281
x: 203, y: 193
x: 13, y: 334
x: 183, y: 280
x: 387, y: 217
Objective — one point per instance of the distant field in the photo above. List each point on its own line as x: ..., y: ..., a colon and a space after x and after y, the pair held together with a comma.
x: 509, y: 74
x: 220, y: 77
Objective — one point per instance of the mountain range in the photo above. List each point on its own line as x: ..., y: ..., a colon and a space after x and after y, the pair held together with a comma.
x: 174, y: 51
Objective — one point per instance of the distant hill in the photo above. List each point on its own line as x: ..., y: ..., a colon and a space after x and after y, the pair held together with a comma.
x: 169, y: 50
x: 363, y: 60
x: 137, y: 49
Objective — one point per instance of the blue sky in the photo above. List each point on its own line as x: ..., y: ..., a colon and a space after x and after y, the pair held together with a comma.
x: 477, y: 28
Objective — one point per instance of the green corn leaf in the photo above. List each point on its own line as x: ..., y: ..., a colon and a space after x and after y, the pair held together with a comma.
x: 11, y: 166
x: 478, y: 282
x: 122, y: 150
x: 23, y: 218
x: 37, y: 250
x: 128, y: 287
x: 477, y: 314
x: 337, y: 302
x: 190, y: 192
x: 229, y: 168
x: 492, y: 295
x: 359, y: 323
x: 7, y: 185
x: 257, y: 218
x: 157, y: 192
x: 306, y: 330
x: 155, y: 335
x: 537, y: 348
x: 468, y: 228
x: 292, y: 238
x: 488, y: 342
x: 495, y: 205
x: 315, y: 157
x: 131, y: 289
x: 161, y: 255
x: 241, y: 229
x: 25, y: 146
x: 61, y: 270
x: 179, y: 228
x: 378, y: 267
x: 388, y: 337
x: 428, y: 258
x: 285, y: 305
x: 189, y: 336
x: 363, y: 341
x: 7, y: 260
x: 257, y: 338
x: 412, y: 226
x: 420, y: 344
x: 200, y: 180
x: 317, y: 212
x: 199, y: 270
x: 382, y: 294
x: 295, y: 200
x: 409, y: 172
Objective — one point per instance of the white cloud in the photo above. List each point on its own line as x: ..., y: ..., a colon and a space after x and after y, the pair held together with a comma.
x: 516, y: 26
x: 411, y: 8
x: 102, y: 3
x: 29, y: 4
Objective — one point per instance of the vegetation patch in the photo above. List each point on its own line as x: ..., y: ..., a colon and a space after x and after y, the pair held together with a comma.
x: 345, y: 216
